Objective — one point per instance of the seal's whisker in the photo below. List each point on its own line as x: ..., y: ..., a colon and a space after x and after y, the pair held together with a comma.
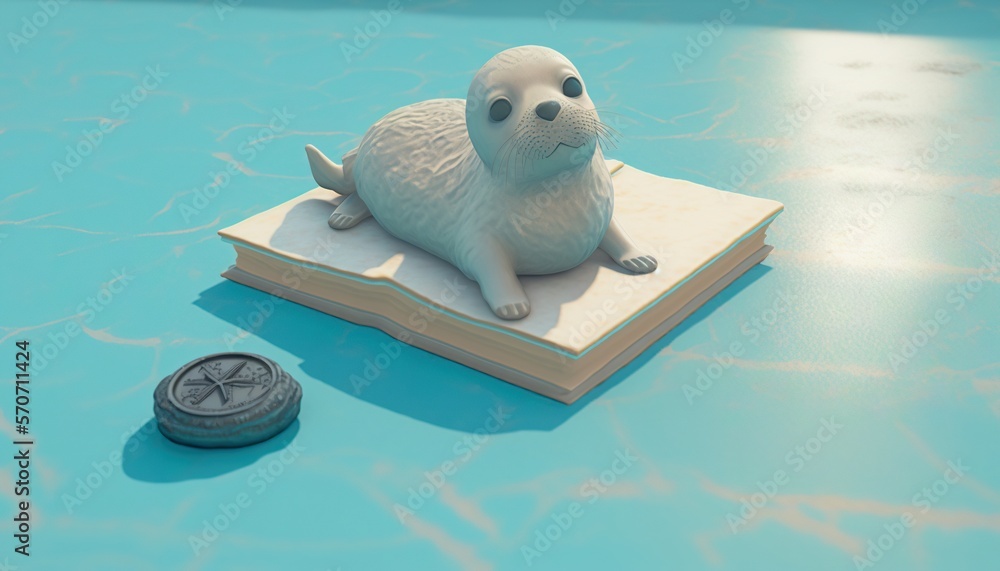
x: 512, y: 150
x: 514, y: 159
x: 610, y: 138
x: 631, y: 121
x: 519, y: 160
x: 605, y: 142
x: 512, y: 153
x: 495, y: 168
x: 523, y: 163
x: 605, y: 134
x: 506, y: 163
x: 516, y: 132
x: 605, y: 110
x: 609, y: 127
x: 603, y: 130
x: 505, y: 159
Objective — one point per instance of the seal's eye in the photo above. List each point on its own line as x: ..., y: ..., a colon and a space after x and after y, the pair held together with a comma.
x: 500, y: 110
x: 572, y: 87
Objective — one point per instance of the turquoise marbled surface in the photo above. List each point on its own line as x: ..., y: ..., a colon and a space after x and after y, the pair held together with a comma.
x: 880, y: 139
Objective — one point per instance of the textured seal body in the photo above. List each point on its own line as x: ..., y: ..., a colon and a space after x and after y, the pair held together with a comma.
x: 509, y: 181
x: 423, y: 181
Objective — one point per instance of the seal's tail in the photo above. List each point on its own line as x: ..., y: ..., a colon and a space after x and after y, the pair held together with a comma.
x: 329, y: 174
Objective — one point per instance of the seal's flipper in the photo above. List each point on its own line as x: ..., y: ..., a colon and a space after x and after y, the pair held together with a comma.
x: 351, y: 211
x: 498, y: 282
x: 624, y: 252
x: 329, y: 174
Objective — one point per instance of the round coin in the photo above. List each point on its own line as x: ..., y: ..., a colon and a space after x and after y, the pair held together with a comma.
x: 226, y: 400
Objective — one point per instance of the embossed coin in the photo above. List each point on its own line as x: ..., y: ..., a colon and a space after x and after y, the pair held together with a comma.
x: 221, y: 384
x: 226, y: 400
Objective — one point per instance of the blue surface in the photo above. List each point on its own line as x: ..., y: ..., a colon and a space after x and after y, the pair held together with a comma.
x: 816, y: 333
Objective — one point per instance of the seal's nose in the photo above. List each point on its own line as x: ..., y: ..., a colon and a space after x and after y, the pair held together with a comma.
x: 548, y: 110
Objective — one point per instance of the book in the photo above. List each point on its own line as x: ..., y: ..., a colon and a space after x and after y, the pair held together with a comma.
x: 585, y: 323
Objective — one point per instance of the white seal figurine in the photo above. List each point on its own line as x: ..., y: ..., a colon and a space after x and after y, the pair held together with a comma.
x: 509, y: 181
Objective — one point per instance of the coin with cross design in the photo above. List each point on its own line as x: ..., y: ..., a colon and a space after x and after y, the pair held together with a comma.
x: 222, y: 384
x: 226, y: 400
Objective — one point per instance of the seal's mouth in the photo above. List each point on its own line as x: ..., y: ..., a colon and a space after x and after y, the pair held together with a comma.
x: 567, y: 145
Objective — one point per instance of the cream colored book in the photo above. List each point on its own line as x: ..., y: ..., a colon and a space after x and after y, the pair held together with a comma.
x: 584, y: 324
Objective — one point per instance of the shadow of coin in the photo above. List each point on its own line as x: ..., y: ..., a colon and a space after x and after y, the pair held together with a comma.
x: 151, y: 457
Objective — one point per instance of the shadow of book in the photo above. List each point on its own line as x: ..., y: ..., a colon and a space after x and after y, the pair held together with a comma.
x: 370, y: 365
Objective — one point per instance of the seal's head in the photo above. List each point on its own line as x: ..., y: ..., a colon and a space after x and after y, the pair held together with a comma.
x: 529, y: 115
